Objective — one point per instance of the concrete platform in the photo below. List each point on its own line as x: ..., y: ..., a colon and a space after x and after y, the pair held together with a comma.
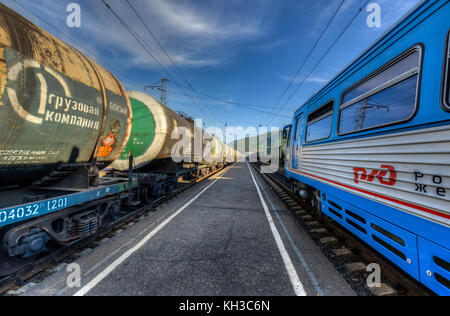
x: 218, y: 238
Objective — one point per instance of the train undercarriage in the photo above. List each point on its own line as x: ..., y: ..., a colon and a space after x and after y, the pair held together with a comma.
x: 95, y: 207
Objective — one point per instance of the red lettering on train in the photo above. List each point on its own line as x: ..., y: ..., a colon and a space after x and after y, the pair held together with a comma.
x: 386, y: 175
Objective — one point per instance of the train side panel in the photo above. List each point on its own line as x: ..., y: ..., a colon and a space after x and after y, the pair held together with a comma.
x: 383, y: 168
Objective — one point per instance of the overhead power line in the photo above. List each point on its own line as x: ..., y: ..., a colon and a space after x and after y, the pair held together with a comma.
x: 158, y: 42
x: 306, y: 58
x: 161, y: 46
x: 247, y: 107
x: 239, y: 103
x: 324, y: 55
x: 236, y: 104
x: 150, y: 52
x: 110, y: 66
x: 178, y: 70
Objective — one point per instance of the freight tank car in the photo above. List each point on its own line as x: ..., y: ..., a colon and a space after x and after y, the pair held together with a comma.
x: 231, y: 155
x: 59, y: 110
x: 151, y: 136
x: 63, y: 118
x: 161, y: 135
x: 166, y: 146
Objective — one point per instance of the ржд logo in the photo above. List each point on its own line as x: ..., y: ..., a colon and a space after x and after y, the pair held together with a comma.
x: 361, y: 174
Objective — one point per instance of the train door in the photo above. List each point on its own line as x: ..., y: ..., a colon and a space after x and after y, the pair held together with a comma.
x: 286, y: 156
x: 296, y: 144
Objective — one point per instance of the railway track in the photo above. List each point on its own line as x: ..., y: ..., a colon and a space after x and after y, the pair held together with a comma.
x: 46, y: 265
x: 350, y: 255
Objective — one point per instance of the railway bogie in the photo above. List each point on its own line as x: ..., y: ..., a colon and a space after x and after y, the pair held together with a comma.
x: 31, y: 238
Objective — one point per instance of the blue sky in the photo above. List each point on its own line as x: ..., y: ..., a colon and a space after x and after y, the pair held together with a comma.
x: 243, y: 51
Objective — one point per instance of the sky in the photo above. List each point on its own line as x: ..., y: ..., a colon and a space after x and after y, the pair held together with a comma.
x: 230, y: 60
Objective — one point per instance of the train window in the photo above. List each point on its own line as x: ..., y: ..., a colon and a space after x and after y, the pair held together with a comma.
x: 288, y: 135
x: 394, y: 104
x: 447, y: 76
x: 319, y: 123
x: 388, y: 97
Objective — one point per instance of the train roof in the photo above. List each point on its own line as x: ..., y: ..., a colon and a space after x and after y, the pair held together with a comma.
x: 380, y: 44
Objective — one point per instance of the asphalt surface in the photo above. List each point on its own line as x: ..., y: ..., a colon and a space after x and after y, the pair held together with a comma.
x: 219, y: 244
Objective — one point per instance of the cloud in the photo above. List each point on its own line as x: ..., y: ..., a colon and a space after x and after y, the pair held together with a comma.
x: 299, y: 79
x: 194, y: 33
x: 199, y: 33
x: 275, y: 44
x: 391, y: 11
x: 193, y: 20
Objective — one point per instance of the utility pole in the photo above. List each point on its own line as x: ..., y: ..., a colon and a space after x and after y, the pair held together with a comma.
x: 362, y: 114
x: 162, y: 88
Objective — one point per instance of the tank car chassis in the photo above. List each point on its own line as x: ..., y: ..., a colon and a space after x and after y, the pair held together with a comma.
x: 76, y: 207
x: 36, y: 220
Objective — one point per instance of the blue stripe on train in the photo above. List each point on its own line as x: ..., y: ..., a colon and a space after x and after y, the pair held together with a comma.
x: 414, y: 244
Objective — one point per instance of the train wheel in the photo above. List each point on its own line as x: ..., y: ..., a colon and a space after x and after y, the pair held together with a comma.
x: 316, y: 203
x: 294, y: 188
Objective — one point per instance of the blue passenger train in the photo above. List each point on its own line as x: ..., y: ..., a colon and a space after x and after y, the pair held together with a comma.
x: 371, y: 150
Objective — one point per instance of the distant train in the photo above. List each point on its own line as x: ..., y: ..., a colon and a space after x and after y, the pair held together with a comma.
x: 65, y: 118
x: 371, y: 150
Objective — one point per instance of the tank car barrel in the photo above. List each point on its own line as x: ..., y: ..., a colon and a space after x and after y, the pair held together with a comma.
x: 57, y: 107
